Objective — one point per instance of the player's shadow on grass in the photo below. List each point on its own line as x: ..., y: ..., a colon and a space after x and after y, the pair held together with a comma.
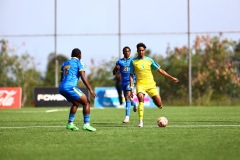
x: 112, y: 125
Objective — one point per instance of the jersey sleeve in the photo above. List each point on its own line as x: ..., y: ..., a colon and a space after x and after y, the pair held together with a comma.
x: 117, y: 63
x: 81, y: 66
x: 131, y: 67
x: 62, y: 67
x: 134, y: 78
x: 154, y: 65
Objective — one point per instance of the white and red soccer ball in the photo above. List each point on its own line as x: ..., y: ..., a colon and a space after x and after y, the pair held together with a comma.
x: 162, y: 122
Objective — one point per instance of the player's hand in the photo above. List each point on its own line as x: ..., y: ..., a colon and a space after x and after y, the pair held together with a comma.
x: 131, y: 94
x: 93, y: 94
x: 116, y: 69
x: 175, y: 80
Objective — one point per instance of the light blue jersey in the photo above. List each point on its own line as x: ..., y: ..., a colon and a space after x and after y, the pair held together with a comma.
x: 124, y: 64
x: 68, y: 86
x: 70, y: 70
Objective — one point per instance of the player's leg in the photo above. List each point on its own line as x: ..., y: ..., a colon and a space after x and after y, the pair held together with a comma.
x: 68, y: 94
x: 134, y: 104
x: 78, y: 97
x: 127, y: 95
x: 72, y: 113
x: 119, y: 90
x: 157, y: 101
x: 140, y: 96
x: 154, y: 93
x: 71, y: 117
x: 86, y: 112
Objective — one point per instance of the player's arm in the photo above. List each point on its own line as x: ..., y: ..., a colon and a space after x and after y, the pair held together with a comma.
x: 85, y: 82
x: 61, y: 72
x: 161, y: 71
x: 131, y: 80
x: 61, y: 76
x: 116, y: 69
x: 131, y: 83
x: 131, y: 77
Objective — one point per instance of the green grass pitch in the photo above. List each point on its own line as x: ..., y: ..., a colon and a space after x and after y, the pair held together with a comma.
x: 193, y: 133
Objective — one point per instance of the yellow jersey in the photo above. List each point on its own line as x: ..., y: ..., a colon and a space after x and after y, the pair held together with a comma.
x: 143, y: 69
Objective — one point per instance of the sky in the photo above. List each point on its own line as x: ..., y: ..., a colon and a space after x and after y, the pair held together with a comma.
x: 93, y: 26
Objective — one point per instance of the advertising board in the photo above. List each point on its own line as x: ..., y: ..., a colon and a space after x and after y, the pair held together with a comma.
x: 10, y: 97
x: 50, y: 97
x: 108, y: 97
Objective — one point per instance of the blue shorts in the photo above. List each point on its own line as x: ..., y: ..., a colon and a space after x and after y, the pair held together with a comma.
x: 71, y: 94
x: 125, y: 88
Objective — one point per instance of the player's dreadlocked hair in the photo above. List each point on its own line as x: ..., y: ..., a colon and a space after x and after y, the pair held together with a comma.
x: 76, y: 52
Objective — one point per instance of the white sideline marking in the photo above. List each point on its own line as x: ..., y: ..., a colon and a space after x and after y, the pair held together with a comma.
x: 52, y: 110
x: 48, y: 111
x: 36, y: 111
x: 147, y: 126
x: 21, y: 127
x: 210, y: 125
x: 57, y: 110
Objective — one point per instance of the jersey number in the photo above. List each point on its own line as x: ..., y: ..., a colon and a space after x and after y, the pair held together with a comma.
x: 126, y: 69
x: 66, y: 70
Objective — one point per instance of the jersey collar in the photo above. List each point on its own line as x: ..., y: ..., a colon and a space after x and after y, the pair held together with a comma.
x: 75, y: 58
x: 126, y: 58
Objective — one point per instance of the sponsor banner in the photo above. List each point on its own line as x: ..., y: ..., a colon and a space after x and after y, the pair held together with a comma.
x: 50, y: 97
x: 108, y: 97
x: 10, y: 97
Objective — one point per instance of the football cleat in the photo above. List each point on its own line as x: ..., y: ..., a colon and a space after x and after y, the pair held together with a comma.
x: 126, y: 119
x: 89, y: 128
x: 134, y: 108
x: 72, y: 127
x: 140, y: 125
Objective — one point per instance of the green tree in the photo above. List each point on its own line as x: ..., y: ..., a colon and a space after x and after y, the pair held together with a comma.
x: 176, y: 64
x: 214, y: 77
x: 19, y: 71
x: 49, y: 79
x: 214, y: 72
x: 101, y: 74
x: 236, y: 57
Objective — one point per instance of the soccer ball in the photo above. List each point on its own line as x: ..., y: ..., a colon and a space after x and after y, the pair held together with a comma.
x: 162, y: 122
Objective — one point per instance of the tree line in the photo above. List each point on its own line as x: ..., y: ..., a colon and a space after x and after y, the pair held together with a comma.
x: 215, y: 72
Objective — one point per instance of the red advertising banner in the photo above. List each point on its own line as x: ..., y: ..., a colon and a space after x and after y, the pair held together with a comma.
x: 10, y: 97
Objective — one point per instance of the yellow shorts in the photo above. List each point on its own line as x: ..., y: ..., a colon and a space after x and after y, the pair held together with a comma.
x: 151, y: 90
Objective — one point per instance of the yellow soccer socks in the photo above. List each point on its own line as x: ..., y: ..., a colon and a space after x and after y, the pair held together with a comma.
x: 140, y: 110
x: 140, y: 113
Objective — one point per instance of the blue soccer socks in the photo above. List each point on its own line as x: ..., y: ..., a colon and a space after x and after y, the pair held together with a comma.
x: 71, y: 118
x: 86, y: 118
x: 128, y: 107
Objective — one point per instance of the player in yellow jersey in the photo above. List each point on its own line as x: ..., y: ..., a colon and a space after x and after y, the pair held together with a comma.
x: 142, y: 66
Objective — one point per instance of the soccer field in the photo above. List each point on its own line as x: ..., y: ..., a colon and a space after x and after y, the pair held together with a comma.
x: 193, y: 133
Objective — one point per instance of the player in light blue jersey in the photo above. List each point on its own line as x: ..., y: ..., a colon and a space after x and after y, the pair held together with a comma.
x: 122, y: 66
x: 71, y: 71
